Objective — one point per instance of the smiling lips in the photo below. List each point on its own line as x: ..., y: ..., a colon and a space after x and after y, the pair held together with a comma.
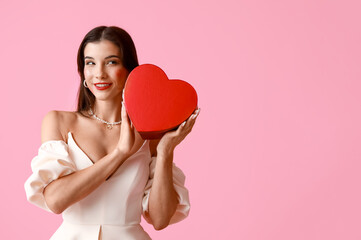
x: 102, y: 86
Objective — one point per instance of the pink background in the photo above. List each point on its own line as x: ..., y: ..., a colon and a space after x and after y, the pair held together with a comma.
x: 275, y: 153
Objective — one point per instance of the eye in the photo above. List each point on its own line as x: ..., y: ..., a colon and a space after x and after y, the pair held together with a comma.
x: 89, y: 63
x: 112, y: 62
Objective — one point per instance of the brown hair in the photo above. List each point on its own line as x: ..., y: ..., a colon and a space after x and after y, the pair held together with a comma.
x: 128, y: 53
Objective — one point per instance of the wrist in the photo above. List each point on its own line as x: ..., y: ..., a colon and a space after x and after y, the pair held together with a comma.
x: 165, y: 154
x: 119, y: 154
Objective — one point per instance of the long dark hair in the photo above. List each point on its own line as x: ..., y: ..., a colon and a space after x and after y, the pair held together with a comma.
x: 128, y: 53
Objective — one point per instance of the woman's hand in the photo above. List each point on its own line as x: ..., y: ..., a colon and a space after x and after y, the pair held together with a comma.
x: 129, y: 139
x: 171, y: 139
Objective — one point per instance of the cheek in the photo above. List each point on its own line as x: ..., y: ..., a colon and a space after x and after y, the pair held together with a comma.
x: 119, y: 73
x: 87, y: 73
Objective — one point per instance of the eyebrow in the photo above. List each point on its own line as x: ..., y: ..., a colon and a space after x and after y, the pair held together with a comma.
x: 111, y: 56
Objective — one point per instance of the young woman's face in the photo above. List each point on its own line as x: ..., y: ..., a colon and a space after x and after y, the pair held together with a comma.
x: 104, y: 72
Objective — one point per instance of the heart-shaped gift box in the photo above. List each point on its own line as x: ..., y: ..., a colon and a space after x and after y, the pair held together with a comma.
x: 156, y: 104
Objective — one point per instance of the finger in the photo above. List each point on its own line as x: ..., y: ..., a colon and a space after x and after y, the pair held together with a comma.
x: 180, y: 128
x: 129, y: 120
x: 196, y: 113
x: 195, y: 116
x: 191, y: 120
x: 187, y: 127
x: 124, y: 114
x: 183, y: 124
x: 188, y: 124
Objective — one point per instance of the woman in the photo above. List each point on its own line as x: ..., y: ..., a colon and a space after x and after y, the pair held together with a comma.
x: 93, y: 166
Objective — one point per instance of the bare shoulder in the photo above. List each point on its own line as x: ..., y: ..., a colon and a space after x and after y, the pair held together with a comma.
x: 55, y: 125
x: 153, y: 146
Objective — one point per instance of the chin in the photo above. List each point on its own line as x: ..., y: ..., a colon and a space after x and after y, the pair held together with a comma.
x: 108, y: 96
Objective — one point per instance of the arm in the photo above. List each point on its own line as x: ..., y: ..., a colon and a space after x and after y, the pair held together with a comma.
x: 163, y: 199
x: 65, y: 191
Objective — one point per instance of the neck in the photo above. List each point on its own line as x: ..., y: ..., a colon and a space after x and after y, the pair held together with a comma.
x: 108, y: 110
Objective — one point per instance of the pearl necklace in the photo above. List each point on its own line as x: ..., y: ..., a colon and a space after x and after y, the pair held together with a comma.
x: 109, y: 124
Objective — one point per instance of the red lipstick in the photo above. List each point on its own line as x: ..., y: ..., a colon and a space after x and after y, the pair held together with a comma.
x: 102, y: 86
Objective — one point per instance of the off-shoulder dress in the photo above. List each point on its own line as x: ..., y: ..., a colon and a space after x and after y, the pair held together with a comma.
x: 113, y: 210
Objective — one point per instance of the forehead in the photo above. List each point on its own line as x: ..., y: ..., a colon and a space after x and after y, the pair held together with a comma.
x: 101, y: 49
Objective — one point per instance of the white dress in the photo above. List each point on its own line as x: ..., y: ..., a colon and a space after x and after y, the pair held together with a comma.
x: 113, y: 211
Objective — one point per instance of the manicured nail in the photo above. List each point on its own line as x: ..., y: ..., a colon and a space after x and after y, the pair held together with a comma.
x: 184, y: 123
x: 197, y: 112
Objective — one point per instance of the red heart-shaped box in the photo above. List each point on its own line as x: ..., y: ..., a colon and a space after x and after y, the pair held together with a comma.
x: 156, y: 104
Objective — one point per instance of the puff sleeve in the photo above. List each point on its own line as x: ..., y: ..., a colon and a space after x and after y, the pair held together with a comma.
x: 183, y: 207
x: 51, y: 163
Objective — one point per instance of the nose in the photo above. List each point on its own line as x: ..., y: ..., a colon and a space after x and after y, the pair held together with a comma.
x: 100, y: 73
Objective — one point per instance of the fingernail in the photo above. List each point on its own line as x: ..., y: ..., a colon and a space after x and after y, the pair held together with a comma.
x: 194, y: 116
x: 184, y: 123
